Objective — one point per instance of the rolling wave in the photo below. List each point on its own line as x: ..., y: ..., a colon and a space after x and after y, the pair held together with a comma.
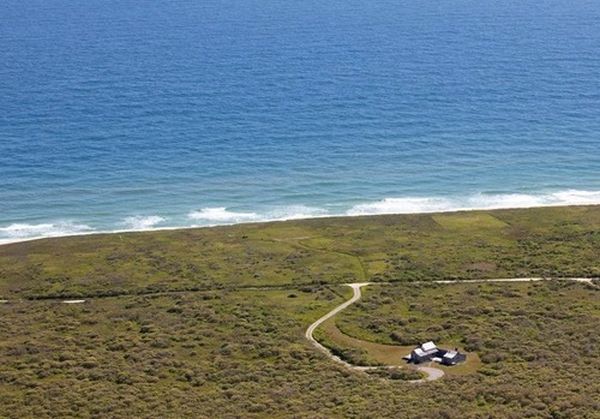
x: 21, y: 231
x: 475, y: 202
x: 211, y: 216
x: 222, y: 215
x: 139, y: 222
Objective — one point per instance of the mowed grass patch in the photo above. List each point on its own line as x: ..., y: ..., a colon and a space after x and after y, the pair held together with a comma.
x: 373, y: 353
x: 507, y: 324
x: 469, y: 220
x: 363, y: 352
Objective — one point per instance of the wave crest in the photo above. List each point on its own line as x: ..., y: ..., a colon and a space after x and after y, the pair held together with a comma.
x: 17, y: 231
x: 221, y: 215
x: 295, y: 212
x: 412, y: 205
x: 211, y: 216
x: 139, y: 222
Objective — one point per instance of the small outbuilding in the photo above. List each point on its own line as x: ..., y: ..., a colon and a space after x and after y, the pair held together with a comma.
x: 453, y: 358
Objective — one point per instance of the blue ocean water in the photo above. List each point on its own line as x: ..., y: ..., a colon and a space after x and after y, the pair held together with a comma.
x: 136, y: 115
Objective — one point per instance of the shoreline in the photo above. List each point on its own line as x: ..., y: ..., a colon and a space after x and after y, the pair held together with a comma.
x: 6, y: 242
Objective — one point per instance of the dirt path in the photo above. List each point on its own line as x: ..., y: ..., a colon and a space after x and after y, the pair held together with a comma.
x: 585, y: 280
x: 588, y: 281
x: 431, y: 373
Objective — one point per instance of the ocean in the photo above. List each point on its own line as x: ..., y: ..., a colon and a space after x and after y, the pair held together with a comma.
x: 130, y: 115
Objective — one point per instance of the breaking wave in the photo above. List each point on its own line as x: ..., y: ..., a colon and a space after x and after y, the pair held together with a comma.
x: 222, y: 215
x: 211, y: 216
x: 139, y: 222
x: 479, y: 201
x: 21, y: 231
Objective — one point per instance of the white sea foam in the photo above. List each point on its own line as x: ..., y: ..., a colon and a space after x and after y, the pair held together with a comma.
x: 221, y: 215
x: 401, y: 206
x: 20, y: 231
x: 411, y: 205
x: 212, y: 216
x: 139, y: 222
x: 294, y: 212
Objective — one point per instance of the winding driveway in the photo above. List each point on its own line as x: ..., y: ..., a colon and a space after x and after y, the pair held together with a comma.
x: 432, y: 373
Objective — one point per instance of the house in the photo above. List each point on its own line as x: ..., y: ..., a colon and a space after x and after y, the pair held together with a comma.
x: 430, y: 352
x: 424, y: 353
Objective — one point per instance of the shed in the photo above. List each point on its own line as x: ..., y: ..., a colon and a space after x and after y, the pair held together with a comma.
x: 453, y: 358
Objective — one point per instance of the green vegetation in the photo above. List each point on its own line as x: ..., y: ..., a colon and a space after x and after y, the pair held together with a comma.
x: 182, y: 331
x: 397, y: 374
x: 545, y: 333
x: 533, y: 242
x: 242, y: 353
x: 369, y: 351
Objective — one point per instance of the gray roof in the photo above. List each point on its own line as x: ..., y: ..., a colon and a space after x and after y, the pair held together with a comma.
x: 450, y: 354
x: 428, y: 346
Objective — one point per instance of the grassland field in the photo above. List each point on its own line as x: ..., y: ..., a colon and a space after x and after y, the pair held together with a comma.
x: 210, y: 322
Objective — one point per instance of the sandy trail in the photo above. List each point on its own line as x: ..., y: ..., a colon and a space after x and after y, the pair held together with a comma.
x: 431, y: 372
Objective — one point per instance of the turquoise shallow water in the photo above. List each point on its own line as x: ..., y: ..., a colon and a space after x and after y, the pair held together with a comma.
x: 137, y: 115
